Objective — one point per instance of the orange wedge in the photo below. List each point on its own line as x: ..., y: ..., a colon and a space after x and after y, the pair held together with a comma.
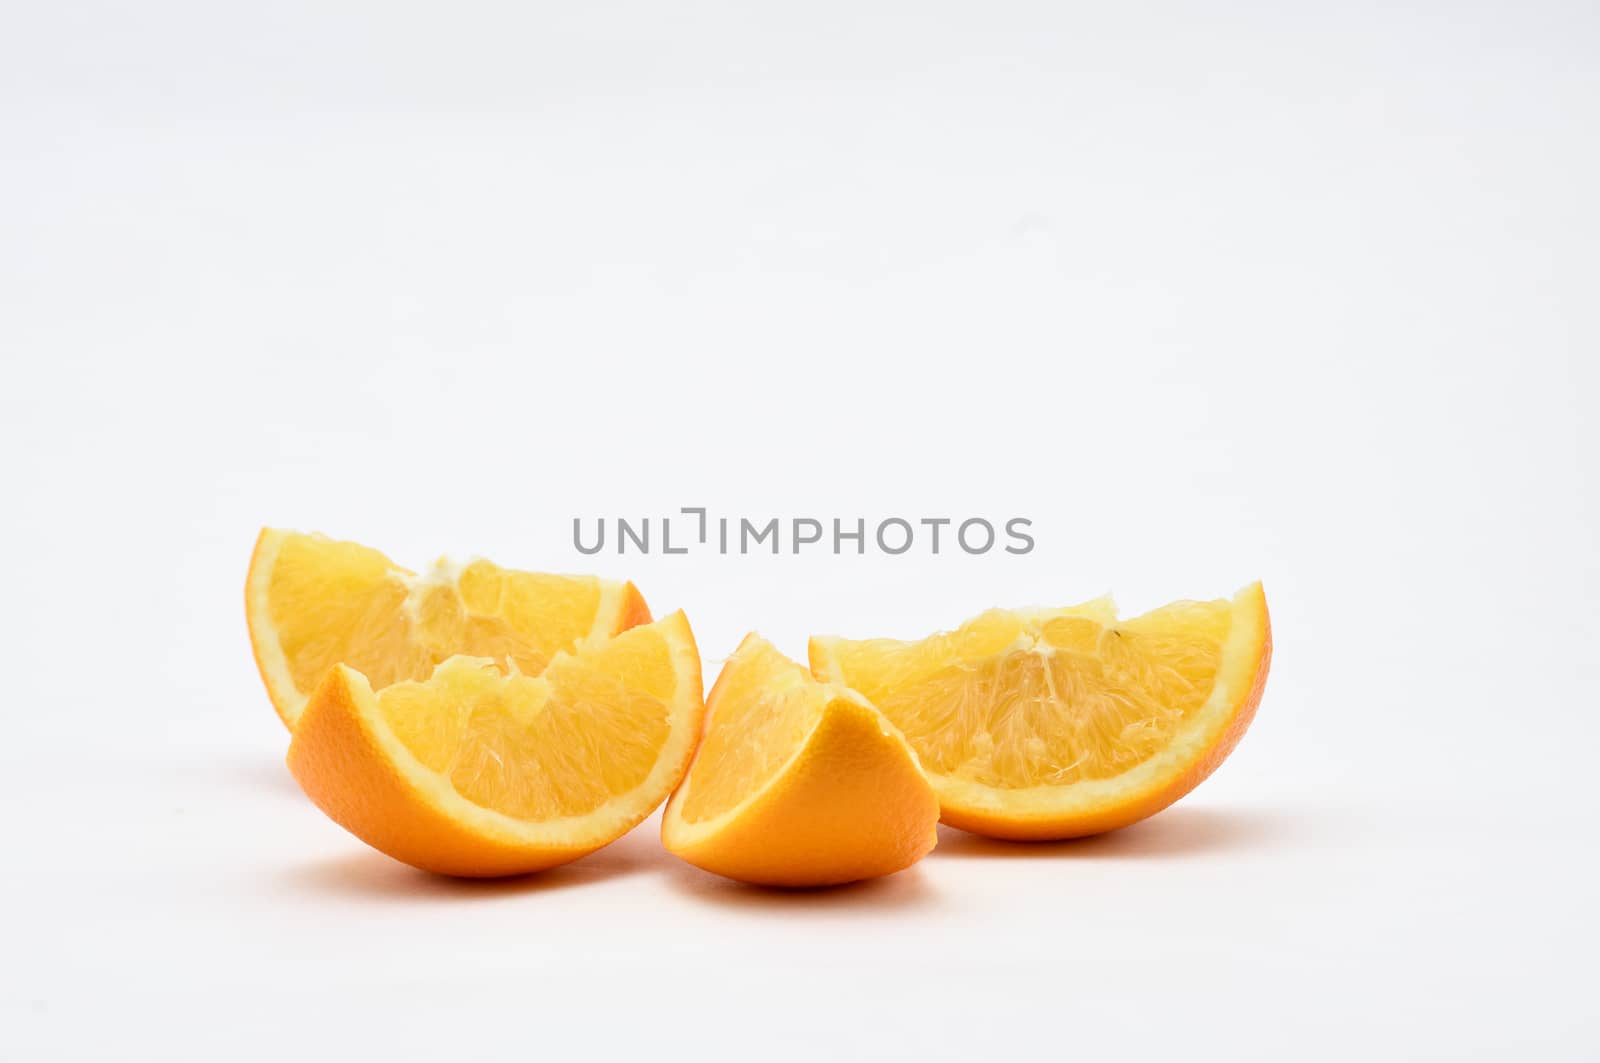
x: 313, y: 602
x: 798, y: 783
x: 476, y: 772
x: 1055, y: 724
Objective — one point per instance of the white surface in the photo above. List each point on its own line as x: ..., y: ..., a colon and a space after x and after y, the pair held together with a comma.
x: 1280, y: 291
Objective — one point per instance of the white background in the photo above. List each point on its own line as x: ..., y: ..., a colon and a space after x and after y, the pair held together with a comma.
x: 1302, y: 292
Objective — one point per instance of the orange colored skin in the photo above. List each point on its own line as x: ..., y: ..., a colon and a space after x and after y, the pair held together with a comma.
x: 634, y: 609
x: 853, y: 805
x: 339, y: 764
x: 255, y: 642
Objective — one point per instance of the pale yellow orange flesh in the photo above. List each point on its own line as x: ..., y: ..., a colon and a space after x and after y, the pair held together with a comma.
x: 313, y: 602
x: 1053, y: 724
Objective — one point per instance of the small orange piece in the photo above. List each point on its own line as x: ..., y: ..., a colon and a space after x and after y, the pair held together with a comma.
x: 313, y: 602
x: 475, y: 772
x: 1055, y: 724
x: 798, y: 783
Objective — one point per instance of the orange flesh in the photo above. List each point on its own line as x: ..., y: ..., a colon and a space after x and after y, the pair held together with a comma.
x: 387, y: 624
x: 1016, y: 700
x: 766, y: 705
x: 540, y: 748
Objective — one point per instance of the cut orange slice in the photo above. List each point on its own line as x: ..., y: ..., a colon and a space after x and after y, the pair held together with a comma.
x: 475, y: 772
x: 1054, y: 724
x: 313, y: 602
x: 798, y: 783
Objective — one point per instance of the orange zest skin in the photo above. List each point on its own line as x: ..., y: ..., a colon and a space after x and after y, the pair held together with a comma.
x: 1091, y: 802
x: 838, y: 795
x: 396, y: 767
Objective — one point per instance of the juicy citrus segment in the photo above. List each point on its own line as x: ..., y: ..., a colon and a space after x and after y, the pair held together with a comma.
x: 1066, y: 722
x: 314, y: 602
x: 766, y: 705
x: 476, y: 772
x: 1009, y: 701
x: 798, y: 783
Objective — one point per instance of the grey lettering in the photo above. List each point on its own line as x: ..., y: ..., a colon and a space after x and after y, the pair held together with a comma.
x: 746, y: 529
x: 700, y: 511
x: 859, y: 535
x: 641, y: 539
x: 961, y: 535
x: 577, y: 538
x: 666, y: 538
x: 802, y: 540
x: 904, y: 546
x: 1011, y: 529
